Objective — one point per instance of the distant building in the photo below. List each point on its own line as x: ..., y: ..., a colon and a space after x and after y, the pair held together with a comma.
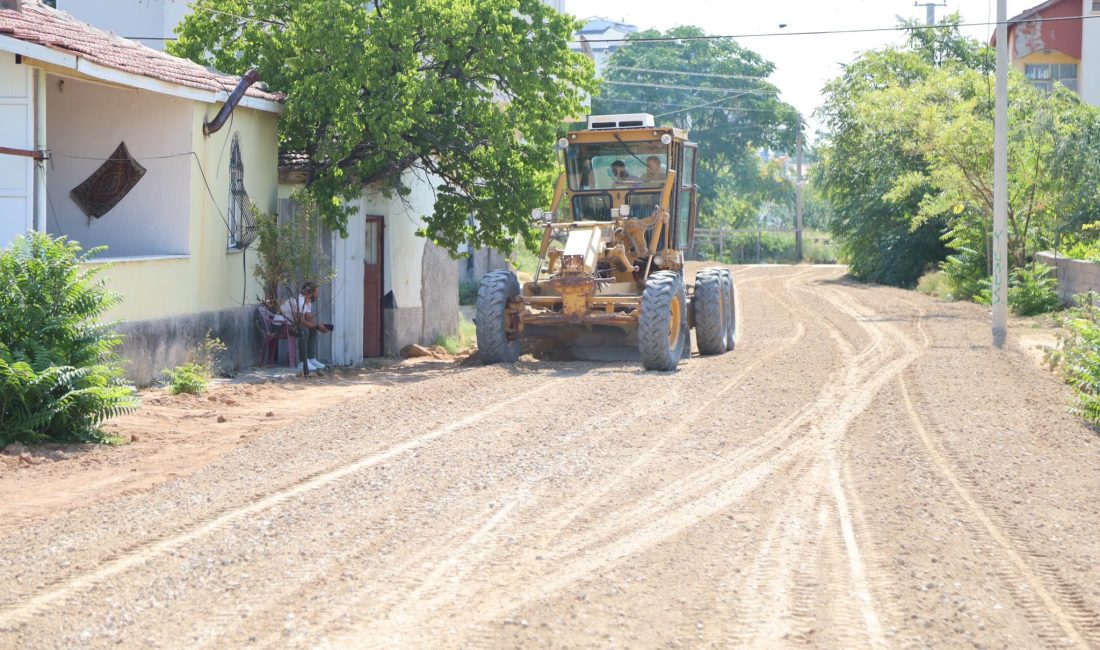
x: 1050, y: 46
x: 599, y: 38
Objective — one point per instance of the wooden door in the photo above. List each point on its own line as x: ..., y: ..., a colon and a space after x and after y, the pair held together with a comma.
x: 372, y: 288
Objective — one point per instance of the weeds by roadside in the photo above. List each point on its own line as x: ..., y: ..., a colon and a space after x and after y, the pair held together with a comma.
x: 464, y: 340
x: 194, y: 377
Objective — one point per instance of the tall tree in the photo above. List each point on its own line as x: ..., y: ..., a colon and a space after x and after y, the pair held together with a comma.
x: 471, y: 92
x: 736, y: 111
x: 865, y: 154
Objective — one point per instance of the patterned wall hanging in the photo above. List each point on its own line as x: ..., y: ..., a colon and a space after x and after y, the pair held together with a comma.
x: 107, y: 185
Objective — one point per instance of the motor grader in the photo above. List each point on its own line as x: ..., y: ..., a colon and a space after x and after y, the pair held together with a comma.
x: 610, y: 277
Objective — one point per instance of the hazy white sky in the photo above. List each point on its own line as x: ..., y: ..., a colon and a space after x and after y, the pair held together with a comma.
x: 803, y: 63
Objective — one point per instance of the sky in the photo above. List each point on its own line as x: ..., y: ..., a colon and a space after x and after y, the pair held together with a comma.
x: 803, y: 63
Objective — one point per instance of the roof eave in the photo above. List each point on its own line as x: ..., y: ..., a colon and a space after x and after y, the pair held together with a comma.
x: 77, y: 63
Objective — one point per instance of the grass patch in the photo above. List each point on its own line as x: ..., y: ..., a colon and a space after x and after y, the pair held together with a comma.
x: 934, y: 283
x: 467, y: 293
x: 464, y: 340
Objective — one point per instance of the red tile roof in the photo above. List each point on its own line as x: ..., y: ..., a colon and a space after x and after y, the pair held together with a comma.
x: 42, y: 25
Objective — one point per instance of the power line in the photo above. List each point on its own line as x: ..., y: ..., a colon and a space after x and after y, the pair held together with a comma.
x: 690, y: 74
x: 667, y: 105
x: 827, y: 32
x: 699, y: 88
x: 248, y: 18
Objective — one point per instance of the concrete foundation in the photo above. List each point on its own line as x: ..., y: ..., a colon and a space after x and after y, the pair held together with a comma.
x: 150, y: 346
x: 1074, y: 276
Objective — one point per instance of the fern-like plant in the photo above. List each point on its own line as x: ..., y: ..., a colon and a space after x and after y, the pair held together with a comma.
x: 59, y: 378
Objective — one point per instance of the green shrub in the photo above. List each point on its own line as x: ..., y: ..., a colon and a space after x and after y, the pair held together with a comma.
x: 59, y: 378
x: 189, y: 378
x: 194, y: 376
x: 934, y: 284
x: 467, y: 293
x: 1033, y: 290
x: 1078, y: 355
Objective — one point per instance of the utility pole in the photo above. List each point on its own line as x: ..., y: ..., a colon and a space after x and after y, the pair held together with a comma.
x: 930, y: 10
x: 1000, y: 183
x: 798, y: 199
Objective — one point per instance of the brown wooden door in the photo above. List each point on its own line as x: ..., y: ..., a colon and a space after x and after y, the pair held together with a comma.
x: 372, y: 288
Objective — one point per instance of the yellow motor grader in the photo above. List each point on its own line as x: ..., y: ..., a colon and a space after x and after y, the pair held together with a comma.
x: 610, y: 277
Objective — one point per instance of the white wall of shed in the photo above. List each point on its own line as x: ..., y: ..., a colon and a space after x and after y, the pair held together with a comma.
x: 16, y: 132
x: 87, y: 122
x: 1089, y: 74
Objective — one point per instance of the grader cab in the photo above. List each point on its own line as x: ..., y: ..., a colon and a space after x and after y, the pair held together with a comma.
x: 610, y: 277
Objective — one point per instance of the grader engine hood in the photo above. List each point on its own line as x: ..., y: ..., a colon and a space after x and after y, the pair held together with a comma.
x: 576, y: 280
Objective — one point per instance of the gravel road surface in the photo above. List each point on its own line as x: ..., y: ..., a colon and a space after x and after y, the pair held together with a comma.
x: 864, y: 470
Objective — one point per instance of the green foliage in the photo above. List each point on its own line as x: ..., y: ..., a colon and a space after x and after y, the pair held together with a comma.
x: 289, y: 251
x: 775, y: 248
x: 730, y: 129
x: 1078, y: 355
x: 934, y: 283
x: 469, y: 94
x: 910, y: 152
x: 188, y: 378
x: 1033, y: 290
x: 467, y: 293
x: 59, y: 379
x: 464, y: 340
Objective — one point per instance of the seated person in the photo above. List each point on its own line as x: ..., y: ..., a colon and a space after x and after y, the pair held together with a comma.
x: 301, y: 312
x: 653, y: 172
x: 620, y: 175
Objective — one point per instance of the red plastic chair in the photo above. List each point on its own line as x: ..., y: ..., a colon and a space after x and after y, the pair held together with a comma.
x: 273, y: 333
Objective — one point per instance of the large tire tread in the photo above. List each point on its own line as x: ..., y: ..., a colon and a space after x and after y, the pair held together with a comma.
x: 493, y: 344
x: 710, y: 312
x: 653, y: 321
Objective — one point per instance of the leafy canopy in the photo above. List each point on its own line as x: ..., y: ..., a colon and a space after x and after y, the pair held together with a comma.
x: 736, y: 112
x: 470, y: 93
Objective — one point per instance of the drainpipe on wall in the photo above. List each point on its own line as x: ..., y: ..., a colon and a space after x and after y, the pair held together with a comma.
x: 249, y: 78
x: 40, y: 145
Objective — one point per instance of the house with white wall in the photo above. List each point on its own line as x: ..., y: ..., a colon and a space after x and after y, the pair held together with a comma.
x: 1051, y: 44
x: 600, y: 37
x: 391, y: 286
x: 110, y: 143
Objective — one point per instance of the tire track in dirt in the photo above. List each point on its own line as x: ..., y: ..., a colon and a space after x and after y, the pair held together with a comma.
x: 424, y: 578
x: 1071, y: 617
x: 670, y: 511
x: 12, y: 614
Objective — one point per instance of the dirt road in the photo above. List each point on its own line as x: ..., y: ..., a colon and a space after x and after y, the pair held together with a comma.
x: 863, y: 471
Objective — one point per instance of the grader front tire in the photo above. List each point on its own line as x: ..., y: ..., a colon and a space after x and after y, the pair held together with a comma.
x: 730, y: 295
x: 493, y: 343
x: 662, y: 322
x: 710, y: 312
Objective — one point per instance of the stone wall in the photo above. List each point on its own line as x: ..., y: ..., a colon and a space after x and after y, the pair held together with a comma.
x: 150, y: 346
x: 1074, y: 276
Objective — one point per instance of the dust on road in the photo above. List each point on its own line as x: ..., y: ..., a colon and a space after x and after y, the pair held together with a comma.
x: 864, y: 470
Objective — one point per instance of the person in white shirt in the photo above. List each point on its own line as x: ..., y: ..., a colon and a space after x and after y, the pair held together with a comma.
x: 308, y: 326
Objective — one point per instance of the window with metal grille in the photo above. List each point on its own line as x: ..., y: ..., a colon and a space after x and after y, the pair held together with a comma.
x: 1044, y: 75
x: 241, y: 231
x: 1095, y: 6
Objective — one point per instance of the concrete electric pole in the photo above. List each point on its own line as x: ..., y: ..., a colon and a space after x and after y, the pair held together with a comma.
x: 798, y: 199
x: 1000, y: 183
x: 930, y: 9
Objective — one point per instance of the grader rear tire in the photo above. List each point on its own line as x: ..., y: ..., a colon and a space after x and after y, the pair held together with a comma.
x: 710, y: 312
x: 662, y: 321
x: 731, y: 308
x: 493, y: 343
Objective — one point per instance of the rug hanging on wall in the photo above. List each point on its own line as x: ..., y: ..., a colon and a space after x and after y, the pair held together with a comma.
x: 107, y: 185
